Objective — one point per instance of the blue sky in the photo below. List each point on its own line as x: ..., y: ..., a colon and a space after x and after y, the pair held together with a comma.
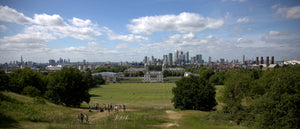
x: 107, y: 30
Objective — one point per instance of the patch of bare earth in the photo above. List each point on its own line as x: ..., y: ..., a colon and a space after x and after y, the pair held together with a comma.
x: 174, y: 117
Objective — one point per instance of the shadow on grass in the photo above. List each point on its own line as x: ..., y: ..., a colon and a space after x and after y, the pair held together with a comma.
x: 7, y: 122
x: 93, y: 95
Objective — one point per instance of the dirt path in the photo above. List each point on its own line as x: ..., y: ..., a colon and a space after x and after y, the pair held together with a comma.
x: 174, y: 116
x: 96, y: 116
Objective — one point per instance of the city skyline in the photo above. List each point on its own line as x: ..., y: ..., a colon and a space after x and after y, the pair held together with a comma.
x: 100, y: 31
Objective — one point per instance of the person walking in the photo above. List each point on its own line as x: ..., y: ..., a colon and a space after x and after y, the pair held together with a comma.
x: 86, y: 119
x: 124, y: 108
x: 78, y: 118
x: 81, y: 118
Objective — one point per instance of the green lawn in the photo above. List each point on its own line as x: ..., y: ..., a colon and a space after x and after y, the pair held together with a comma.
x: 148, y: 106
x: 146, y: 94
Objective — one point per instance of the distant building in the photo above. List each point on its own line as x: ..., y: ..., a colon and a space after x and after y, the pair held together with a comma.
x: 222, y: 61
x: 134, y: 70
x: 52, y: 62
x: 153, y: 76
x: 170, y: 59
x: 186, y: 74
x: 54, y: 68
x: 110, y: 76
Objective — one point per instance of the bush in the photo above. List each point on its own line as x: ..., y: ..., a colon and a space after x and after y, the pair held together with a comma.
x: 194, y: 93
x: 31, y: 91
x: 266, y: 99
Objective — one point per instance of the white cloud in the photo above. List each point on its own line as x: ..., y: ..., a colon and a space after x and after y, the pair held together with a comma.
x: 11, y: 15
x: 289, y: 12
x: 28, y: 38
x: 92, y: 44
x: 122, y: 45
x: 49, y: 20
x: 244, y: 19
x: 184, y: 22
x: 41, y: 29
x: 129, y: 38
x: 272, y: 33
x: 81, y: 23
x: 243, y: 40
x: 275, y: 6
x: 210, y: 37
x: 2, y: 27
x: 179, y: 41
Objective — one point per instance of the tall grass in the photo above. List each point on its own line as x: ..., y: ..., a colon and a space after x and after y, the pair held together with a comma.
x: 122, y: 120
x: 21, y: 108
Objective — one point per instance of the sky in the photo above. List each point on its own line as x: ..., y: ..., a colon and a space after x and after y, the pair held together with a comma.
x: 128, y: 30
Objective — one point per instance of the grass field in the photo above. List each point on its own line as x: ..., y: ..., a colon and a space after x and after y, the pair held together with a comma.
x: 148, y: 106
x: 145, y: 94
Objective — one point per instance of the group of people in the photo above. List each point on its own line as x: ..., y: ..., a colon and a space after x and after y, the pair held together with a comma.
x: 80, y: 118
x: 108, y: 107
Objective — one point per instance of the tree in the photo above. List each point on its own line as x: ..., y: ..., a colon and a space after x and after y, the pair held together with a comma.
x: 98, y: 80
x: 31, y: 91
x: 194, y: 93
x: 278, y: 107
x: 4, y: 80
x: 21, y: 78
x: 88, y: 78
x: 68, y: 87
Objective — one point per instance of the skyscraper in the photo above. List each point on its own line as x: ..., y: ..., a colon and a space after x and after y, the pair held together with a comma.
x: 222, y: 61
x: 165, y: 59
x: 186, y: 57
x: 261, y: 60
x: 170, y: 60
x: 272, y: 60
x: 243, y: 59
x: 209, y: 60
x: 175, y: 56
x: 267, y: 61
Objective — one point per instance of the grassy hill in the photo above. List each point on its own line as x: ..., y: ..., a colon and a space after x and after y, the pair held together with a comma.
x: 148, y: 104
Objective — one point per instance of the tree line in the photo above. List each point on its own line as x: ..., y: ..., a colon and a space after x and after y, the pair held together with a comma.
x: 68, y: 86
x: 263, y: 99
x: 254, y: 98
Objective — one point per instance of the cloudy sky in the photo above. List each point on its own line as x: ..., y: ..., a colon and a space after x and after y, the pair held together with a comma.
x: 128, y: 30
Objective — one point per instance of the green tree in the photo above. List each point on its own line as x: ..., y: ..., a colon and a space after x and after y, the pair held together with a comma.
x: 4, y: 80
x: 98, y: 80
x: 21, y: 78
x: 88, y: 78
x: 279, y: 107
x: 218, y: 78
x: 31, y: 91
x: 68, y: 87
x: 194, y: 93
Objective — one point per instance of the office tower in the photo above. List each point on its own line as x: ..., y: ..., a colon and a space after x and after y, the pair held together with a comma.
x: 209, y: 60
x: 272, y: 60
x: 165, y: 59
x: 267, y: 61
x: 261, y: 60
x: 170, y: 58
x: 145, y: 60
x: 186, y: 57
x: 222, y: 61
x: 243, y: 59
x: 176, y: 56
x: 52, y: 62
x: 257, y: 62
